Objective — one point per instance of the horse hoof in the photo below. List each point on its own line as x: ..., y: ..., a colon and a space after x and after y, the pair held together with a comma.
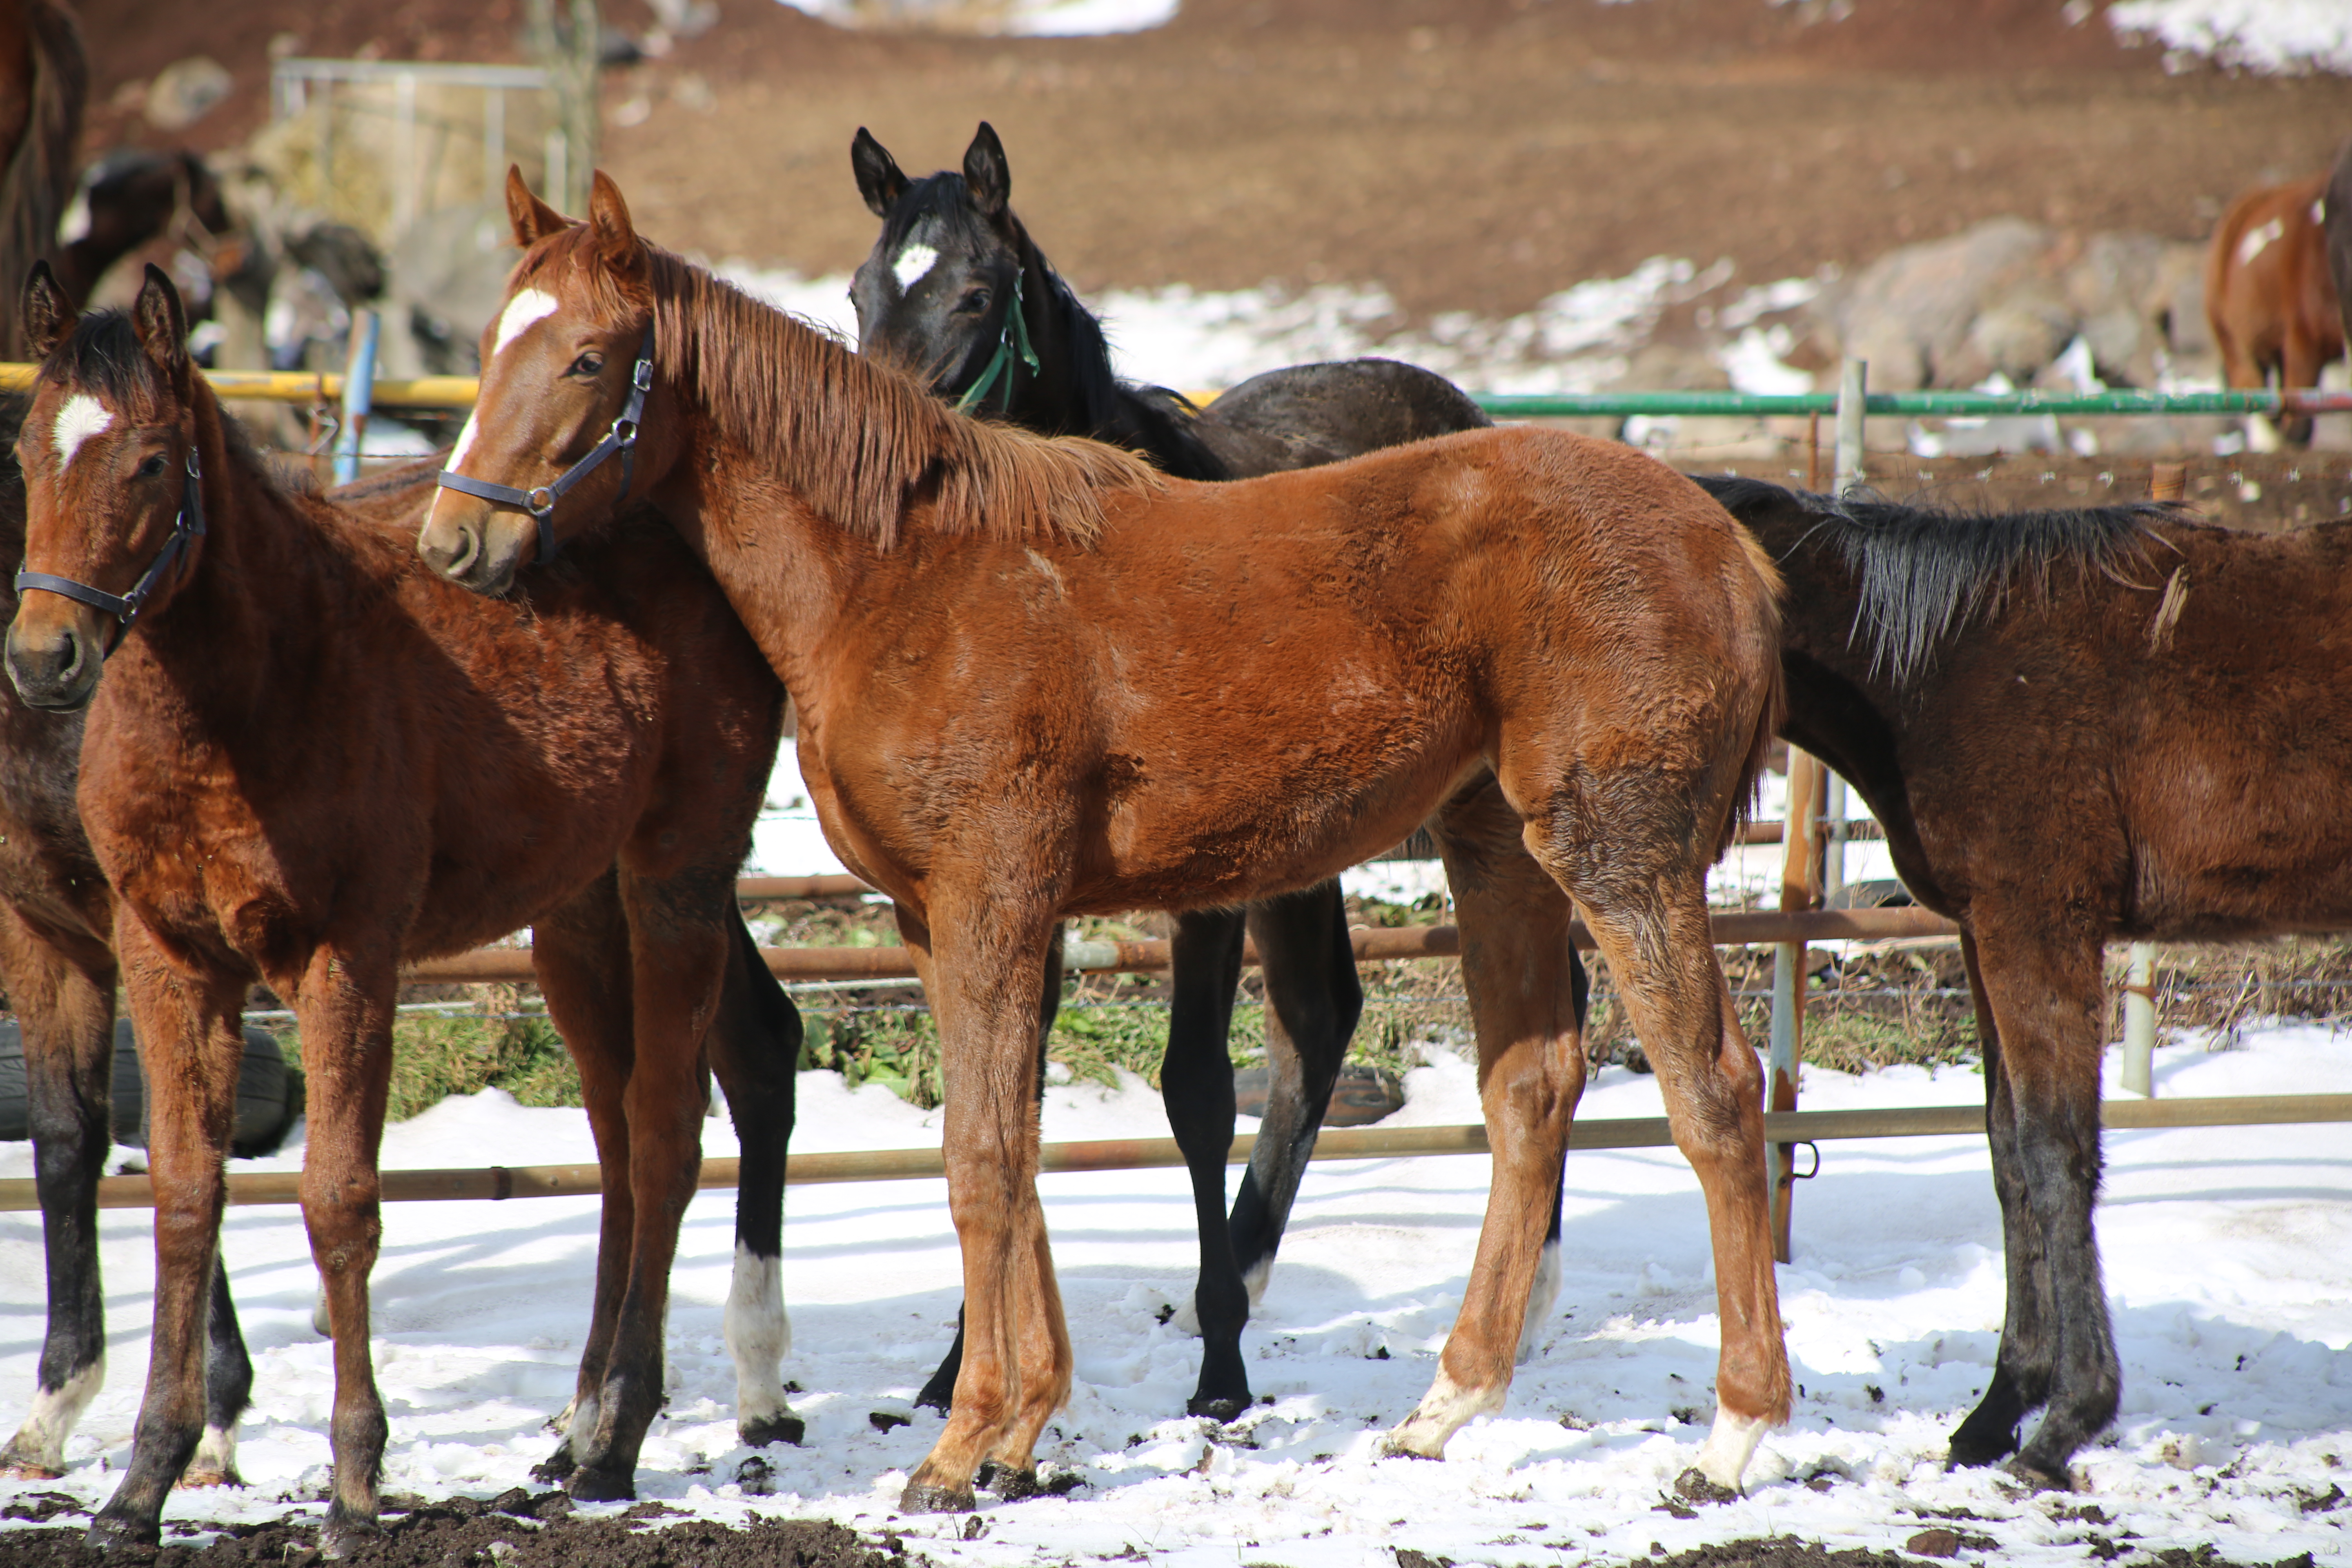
x: 1693, y: 1487
x: 112, y: 1532
x: 1969, y: 1450
x: 2039, y: 1477
x: 27, y: 1470
x: 588, y: 1484
x: 345, y: 1533
x: 787, y: 1427
x: 199, y: 1480
x: 1217, y: 1409
x: 556, y: 1467
x: 929, y: 1497
x: 1009, y: 1484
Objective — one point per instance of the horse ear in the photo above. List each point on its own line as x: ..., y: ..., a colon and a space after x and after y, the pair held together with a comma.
x: 986, y: 174
x: 533, y: 219
x: 162, y: 324
x: 617, y: 245
x: 48, y: 315
x: 879, y: 179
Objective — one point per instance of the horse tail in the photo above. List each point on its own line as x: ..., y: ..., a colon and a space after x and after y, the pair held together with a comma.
x: 1763, y: 588
x: 38, y: 179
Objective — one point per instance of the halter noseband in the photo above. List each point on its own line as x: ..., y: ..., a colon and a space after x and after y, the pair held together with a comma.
x: 186, y: 529
x: 1011, y: 340
x: 540, y: 499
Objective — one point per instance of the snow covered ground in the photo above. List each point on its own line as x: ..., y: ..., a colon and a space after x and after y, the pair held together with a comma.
x: 2228, y: 1255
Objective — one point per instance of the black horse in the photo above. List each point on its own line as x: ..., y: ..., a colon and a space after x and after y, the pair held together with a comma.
x: 957, y: 290
x: 57, y: 965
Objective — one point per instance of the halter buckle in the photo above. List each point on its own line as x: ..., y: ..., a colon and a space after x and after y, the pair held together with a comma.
x: 539, y: 501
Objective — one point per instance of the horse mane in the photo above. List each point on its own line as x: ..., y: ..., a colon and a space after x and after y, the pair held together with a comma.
x: 1923, y: 571
x: 863, y: 444
x: 38, y: 179
x: 1146, y: 419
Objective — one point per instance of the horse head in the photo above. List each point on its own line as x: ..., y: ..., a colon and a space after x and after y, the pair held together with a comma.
x: 113, y: 510
x: 566, y: 370
x: 941, y: 294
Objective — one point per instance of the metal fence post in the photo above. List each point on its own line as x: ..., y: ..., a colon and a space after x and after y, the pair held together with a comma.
x: 359, y: 388
x: 1799, y: 889
x: 1853, y: 401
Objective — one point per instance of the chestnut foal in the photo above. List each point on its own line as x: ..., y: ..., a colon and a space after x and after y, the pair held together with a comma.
x: 309, y: 762
x: 1035, y: 677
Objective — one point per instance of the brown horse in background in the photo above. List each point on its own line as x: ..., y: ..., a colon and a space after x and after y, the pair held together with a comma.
x: 2268, y: 295
x: 586, y: 758
x: 43, y: 80
x: 1036, y: 678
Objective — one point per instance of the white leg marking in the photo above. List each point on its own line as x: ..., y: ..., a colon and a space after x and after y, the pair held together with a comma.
x: 82, y: 417
x: 215, y: 1456
x: 530, y: 305
x: 2258, y: 240
x: 1255, y: 1281
x: 582, y: 1435
x: 913, y: 263
x: 1440, y: 1413
x: 1541, y: 1298
x: 1729, y: 1446
x: 41, y: 1443
x: 758, y: 1336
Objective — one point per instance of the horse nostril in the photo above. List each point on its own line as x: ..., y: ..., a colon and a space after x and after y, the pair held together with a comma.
x: 454, y: 559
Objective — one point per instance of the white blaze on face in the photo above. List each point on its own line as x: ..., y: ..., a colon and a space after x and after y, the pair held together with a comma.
x: 464, y: 442
x: 2258, y: 240
x: 530, y: 305
x: 82, y: 417
x: 914, y: 263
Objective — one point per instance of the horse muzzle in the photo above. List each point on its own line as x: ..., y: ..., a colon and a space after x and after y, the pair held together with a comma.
x: 54, y: 669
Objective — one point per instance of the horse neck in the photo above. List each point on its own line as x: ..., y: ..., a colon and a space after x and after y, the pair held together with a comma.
x: 1076, y: 393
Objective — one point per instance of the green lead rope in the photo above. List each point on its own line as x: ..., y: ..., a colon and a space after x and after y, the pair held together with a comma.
x: 1013, y: 340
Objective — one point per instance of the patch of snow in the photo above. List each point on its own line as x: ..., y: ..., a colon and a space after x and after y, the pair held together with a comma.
x: 999, y: 18
x: 2236, y: 1369
x: 2276, y: 36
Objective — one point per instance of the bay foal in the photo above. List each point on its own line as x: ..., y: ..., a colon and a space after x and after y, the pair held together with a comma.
x: 1035, y: 677
x: 306, y: 762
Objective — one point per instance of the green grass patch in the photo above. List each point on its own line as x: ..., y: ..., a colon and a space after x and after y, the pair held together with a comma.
x: 433, y: 1058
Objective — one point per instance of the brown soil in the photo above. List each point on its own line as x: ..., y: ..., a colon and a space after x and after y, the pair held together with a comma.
x: 510, y: 1532
x: 1469, y: 155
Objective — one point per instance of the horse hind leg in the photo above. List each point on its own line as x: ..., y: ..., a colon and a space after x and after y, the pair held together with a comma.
x: 1624, y: 846
x: 228, y: 1389
x: 68, y: 1023
x: 1515, y: 922
x: 1545, y: 1294
x: 1196, y: 1083
x: 1313, y: 1001
x: 755, y: 1049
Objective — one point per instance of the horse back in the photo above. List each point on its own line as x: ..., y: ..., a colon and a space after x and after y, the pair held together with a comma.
x: 2266, y: 276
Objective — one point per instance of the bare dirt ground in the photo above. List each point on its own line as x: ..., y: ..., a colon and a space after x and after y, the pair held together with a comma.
x: 1468, y: 154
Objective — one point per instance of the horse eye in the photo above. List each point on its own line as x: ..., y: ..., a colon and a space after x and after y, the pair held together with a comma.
x: 152, y: 467
x: 975, y: 301
x: 591, y: 363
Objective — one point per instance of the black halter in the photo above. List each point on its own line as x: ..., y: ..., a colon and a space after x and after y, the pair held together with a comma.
x: 540, y: 500
x: 186, y: 529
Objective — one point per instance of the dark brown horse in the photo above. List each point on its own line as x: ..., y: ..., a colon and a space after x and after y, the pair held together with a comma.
x: 586, y: 758
x: 954, y: 289
x: 44, y: 79
x: 2078, y: 727
x: 1036, y: 677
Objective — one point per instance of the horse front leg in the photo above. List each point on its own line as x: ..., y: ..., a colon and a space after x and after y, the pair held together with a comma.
x: 579, y: 953
x: 2021, y: 1373
x: 343, y: 1006
x: 1516, y: 966
x: 2045, y: 989
x: 193, y: 1049
x: 66, y: 1011
x: 1196, y: 1085
x: 755, y: 1049
x: 1313, y: 1000
x: 678, y: 943
x: 982, y: 963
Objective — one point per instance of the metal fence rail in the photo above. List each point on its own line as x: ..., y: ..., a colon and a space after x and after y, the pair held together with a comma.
x: 498, y: 1181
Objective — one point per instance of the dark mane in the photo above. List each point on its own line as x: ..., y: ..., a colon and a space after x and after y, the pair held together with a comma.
x: 1926, y: 571
x: 1149, y: 419
x: 863, y: 443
